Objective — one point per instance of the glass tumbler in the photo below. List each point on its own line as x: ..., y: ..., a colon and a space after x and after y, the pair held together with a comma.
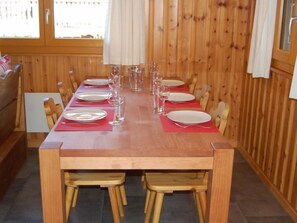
x: 119, y: 112
x: 136, y: 78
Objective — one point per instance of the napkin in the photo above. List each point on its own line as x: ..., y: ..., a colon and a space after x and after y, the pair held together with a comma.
x: 169, y: 126
x: 80, y: 103
x: 98, y: 125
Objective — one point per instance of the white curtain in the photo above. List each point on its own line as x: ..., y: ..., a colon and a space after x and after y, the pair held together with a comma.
x: 124, y: 39
x: 293, y: 91
x: 262, y: 38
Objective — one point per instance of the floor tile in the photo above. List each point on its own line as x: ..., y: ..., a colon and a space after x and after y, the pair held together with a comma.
x: 250, y: 202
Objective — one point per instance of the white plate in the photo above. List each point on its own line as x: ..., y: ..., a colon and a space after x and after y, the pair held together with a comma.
x: 189, y: 117
x: 84, y: 115
x: 93, y: 96
x: 172, y: 83
x: 97, y: 82
x: 180, y: 97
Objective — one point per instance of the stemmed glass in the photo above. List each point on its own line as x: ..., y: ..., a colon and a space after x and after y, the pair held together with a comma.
x: 157, y: 81
x: 119, y: 105
x: 164, y: 93
x: 115, y: 75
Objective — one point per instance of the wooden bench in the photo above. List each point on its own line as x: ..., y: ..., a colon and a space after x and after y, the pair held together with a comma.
x: 13, y: 144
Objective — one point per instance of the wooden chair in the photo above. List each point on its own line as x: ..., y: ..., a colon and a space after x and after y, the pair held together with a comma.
x: 66, y: 93
x: 202, y: 95
x: 219, y: 116
x: 192, y: 83
x: 73, y: 80
x: 114, y: 181
x: 160, y: 183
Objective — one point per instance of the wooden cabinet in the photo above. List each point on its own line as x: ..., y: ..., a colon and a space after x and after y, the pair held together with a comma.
x: 285, y: 40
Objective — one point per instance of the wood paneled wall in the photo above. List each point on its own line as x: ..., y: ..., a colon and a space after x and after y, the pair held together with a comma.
x: 268, y: 134
x: 204, y: 37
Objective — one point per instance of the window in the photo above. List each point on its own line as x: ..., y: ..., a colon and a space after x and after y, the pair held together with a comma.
x: 285, y: 39
x: 19, y: 19
x: 71, y: 20
x: 52, y: 23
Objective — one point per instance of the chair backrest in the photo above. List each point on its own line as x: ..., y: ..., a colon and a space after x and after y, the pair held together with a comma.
x: 66, y: 93
x: 193, y: 83
x: 202, y: 95
x: 52, y: 111
x: 220, y: 116
x: 73, y: 80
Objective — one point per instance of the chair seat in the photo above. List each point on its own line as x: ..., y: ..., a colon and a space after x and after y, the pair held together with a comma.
x: 176, y: 181
x: 104, y: 179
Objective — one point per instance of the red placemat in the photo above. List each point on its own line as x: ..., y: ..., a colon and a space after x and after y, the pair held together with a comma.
x: 80, y: 103
x: 169, y: 126
x: 188, y: 104
x: 99, y: 125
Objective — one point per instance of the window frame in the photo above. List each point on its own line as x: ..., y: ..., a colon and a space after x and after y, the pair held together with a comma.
x: 47, y: 44
x: 282, y: 59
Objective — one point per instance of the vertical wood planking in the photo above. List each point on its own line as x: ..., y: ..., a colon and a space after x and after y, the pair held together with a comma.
x: 202, y: 29
x: 274, y: 133
x: 171, y: 36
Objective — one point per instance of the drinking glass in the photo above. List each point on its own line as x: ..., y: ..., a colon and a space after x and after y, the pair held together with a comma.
x: 119, y: 113
x: 156, y: 87
x: 136, y: 78
x: 164, y: 93
x: 115, y: 75
x: 153, y: 72
x: 114, y: 89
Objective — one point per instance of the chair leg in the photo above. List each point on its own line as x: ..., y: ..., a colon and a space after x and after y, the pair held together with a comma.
x: 151, y: 200
x: 158, y: 207
x: 114, y: 204
x: 202, y: 202
x: 147, y: 196
x: 75, y: 197
x: 143, y: 181
x: 123, y: 194
x: 198, y: 206
x: 69, y: 198
x: 119, y: 201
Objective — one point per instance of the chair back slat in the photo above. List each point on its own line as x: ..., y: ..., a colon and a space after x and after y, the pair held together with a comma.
x: 73, y: 80
x: 192, y: 84
x: 202, y: 95
x: 52, y: 111
x: 220, y: 116
x: 66, y: 93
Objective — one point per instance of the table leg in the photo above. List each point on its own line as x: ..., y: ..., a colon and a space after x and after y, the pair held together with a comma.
x: 219, y: 184
x: 52, y: 183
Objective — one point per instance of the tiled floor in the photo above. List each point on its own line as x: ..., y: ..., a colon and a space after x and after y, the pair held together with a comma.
x: 251, y: 202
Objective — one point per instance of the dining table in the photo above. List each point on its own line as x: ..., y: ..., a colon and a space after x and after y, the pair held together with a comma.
x: 141, y: 142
